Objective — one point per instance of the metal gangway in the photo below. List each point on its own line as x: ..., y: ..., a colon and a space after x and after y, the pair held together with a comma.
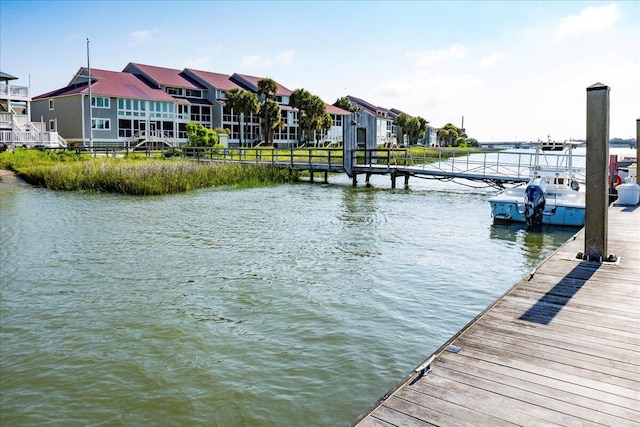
x: 495, y: 168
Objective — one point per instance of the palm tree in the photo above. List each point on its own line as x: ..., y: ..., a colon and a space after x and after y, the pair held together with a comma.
x: 267, y: 87
x: 402, y: 121
x: 344, y: 103
x: 416, y: 128
x: 248, y: 106
x: 326, y: 122
x: 298, y: 99
x: 443, y: 134
x: 234, y: 103
x: 313, y: 112
x: 272, y: 116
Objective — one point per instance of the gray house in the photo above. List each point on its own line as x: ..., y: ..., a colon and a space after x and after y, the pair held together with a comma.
x: 125, y: 111
x: 145, y: 105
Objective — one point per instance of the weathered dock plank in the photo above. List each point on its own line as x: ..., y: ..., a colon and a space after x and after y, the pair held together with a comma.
x: 561, y: 347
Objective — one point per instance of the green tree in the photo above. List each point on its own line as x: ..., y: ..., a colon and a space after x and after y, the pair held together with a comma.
x: 401, y: 127
x: 472, y: 142
x: 299, y: 99
x: 326, y: 122
x: 200, y: 136
x: 271, y: 111
x: 344, y: 103
x: 233, y: 102
x: 267, y: 88
x: 249, y: 105
x: 312, y: 113
x: 416, y: 129
x: 449, y: 133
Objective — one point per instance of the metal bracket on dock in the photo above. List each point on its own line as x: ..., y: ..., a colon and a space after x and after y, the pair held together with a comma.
x: 426, y: 366
x: 610, y: 260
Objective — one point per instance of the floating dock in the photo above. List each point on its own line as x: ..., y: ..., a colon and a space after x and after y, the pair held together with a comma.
x: 561, y: 347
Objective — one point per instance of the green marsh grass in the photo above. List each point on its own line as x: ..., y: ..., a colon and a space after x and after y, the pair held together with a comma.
x: 135, y: 176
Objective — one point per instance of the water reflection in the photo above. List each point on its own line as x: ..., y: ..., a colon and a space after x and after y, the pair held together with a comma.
x: 534, y: 245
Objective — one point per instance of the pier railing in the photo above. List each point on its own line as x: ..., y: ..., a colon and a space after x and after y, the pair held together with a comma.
x: 326, y: 159
x: 494, y: 167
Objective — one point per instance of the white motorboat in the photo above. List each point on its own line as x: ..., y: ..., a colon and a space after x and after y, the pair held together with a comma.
x: 552, y: 196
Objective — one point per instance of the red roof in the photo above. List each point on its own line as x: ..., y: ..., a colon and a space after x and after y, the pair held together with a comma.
x: 163, y: 76
x: 332, y: 109
x: 110, y: 83
x: 216, y: 80
x: 253, y: 81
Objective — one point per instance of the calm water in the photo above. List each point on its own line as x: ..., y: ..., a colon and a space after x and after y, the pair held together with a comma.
x: 294, y: 305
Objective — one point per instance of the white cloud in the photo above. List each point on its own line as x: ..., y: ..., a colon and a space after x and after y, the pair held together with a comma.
x: 491, y: 60
x: 429, y: 57
x: 142, y: 36
x: 204, y: 59
x: 428, y: 94
x: 255, y: 61
x: 285, y: 58
x: 259, y: 61
x: 590, y: 20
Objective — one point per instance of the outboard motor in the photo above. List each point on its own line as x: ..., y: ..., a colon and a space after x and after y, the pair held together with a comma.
x: 534, y: 202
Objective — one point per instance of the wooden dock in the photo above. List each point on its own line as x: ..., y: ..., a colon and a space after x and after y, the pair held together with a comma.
x: 561, y: 347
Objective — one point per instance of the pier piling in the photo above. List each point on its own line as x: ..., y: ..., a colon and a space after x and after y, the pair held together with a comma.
x: 597, y: 196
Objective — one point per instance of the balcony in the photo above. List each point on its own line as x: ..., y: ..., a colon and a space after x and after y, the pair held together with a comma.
x: 19, y: 93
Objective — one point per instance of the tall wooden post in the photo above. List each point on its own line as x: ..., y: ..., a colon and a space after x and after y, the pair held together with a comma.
x: 597, y: 196
x: 637, y: 149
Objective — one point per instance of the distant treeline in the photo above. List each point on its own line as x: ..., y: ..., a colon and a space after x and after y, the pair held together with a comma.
x: 618, y: 142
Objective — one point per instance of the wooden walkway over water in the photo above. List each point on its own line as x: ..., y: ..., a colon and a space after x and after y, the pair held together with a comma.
x: 561, y: 347
x: 486, y: 166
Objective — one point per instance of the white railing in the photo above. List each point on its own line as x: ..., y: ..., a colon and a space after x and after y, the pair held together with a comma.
x: 14, y: 91
x: 30, y: 139
x: 155, y: 136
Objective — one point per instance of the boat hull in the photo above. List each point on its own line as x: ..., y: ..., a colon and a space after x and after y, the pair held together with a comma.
x: 508, y: 212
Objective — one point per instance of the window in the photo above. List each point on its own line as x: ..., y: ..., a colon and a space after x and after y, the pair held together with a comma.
x: 100, y: 102
x: 192, y: 93
x: 101, y: 124
x: 183, y: 112
x: 52, y: 125
x: 51, y: 104
x: 132, y: 107
x: 130, y: 128
x: 161, y: 109
x: 174, y: 91
x: 182, y: 130
x: 337, y: 119
x: 206, y: 113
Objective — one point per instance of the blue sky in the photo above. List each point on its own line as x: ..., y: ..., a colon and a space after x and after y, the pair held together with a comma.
x: 514, y: 70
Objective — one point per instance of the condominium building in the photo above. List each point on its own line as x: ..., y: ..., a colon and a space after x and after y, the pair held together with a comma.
x: 146, y: 105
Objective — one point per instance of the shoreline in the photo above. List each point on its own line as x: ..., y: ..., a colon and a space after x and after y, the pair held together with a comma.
x: 8, y: 177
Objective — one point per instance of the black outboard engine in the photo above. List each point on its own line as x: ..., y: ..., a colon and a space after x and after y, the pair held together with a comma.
x: 534, y: 202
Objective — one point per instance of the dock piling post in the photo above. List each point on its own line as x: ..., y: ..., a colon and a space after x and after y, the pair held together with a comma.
x: 597, y: 195
x: 406, y: 182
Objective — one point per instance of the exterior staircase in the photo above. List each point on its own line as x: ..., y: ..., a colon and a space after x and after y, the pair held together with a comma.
x: 18, y: 131
x: 151, y: 139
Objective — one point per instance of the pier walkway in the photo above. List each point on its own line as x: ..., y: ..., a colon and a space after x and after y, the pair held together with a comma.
x: 492, y: 167
x: 561, y: 347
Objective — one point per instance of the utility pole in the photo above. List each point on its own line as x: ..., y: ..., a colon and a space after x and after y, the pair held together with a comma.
x: 90, y: 100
